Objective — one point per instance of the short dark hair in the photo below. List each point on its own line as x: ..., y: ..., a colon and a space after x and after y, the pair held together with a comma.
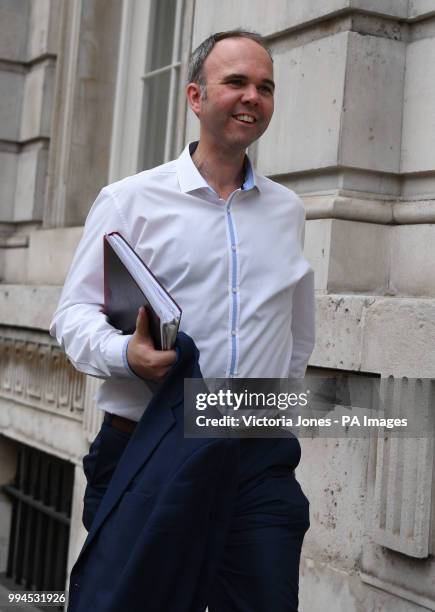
x: 198, y: 57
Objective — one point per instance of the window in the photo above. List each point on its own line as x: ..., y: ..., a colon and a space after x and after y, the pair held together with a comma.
x: 161, y: 84
x: 149, y: 107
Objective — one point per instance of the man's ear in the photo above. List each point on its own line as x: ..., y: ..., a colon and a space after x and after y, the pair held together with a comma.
x: 193, y: 93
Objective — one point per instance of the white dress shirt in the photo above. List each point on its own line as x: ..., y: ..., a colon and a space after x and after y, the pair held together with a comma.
x: 235, y: 267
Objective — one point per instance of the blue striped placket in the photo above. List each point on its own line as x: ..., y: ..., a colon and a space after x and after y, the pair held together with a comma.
x: 234, y: 286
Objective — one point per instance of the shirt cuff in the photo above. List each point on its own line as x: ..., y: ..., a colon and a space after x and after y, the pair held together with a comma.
x: 125, y: 360
x: 115, y: 356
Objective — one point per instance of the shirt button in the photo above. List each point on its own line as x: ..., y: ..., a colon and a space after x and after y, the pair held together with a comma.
x: 234, y: 332
x: 233, y: 247
x: 235, y: 289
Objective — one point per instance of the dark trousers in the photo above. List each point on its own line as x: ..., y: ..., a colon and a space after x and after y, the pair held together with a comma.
x: 259, y: 569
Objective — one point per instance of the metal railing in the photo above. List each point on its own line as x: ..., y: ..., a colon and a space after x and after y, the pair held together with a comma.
x: 41, y: 496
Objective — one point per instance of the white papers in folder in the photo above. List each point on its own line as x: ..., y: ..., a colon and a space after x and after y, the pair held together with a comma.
x: 160, y: 301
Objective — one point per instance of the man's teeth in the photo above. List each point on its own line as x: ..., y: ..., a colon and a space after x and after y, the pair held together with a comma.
x: 246, y: 118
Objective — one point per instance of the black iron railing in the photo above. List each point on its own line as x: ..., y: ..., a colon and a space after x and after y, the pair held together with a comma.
x: 41, y: 508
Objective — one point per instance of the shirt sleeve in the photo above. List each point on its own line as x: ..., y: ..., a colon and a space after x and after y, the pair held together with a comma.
x: 303, y: 317
x: 303, y: 325
x: 92, y: 345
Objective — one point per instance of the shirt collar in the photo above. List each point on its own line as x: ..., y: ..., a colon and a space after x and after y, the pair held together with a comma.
x: 190, y: 178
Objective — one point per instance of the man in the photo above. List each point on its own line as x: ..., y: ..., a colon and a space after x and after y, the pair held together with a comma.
x: 227, y: 244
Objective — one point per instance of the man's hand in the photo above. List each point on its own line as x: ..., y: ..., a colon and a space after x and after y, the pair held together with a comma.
x: 143, y: 358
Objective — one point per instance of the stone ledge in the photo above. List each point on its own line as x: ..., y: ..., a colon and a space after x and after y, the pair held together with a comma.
x: 375, y: 259
x: 369, y: 210
x: 28, y: 306
x: 325, y: 588
x: 14, y: 241
x: 350, y: 209
x: 384, y: 335
x: 406, y: 594
x: 407, y: 578
x: 36, y: 427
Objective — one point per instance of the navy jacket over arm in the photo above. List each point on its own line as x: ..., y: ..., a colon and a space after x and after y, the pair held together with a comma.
x: 160, y: 528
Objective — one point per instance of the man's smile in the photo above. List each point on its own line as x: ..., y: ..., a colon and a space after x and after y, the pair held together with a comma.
x: 245, y: 118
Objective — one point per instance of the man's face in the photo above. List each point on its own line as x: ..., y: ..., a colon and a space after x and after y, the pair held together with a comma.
x: 237, y: 106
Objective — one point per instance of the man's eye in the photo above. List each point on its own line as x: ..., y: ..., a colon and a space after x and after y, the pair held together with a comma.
x: 235, y: 81
x: 266, y: 89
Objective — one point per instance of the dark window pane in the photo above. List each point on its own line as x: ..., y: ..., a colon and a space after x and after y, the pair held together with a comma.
x: 162, y: 34
x: 155, y: 112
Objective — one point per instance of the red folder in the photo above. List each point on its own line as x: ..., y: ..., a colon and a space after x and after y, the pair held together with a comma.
x: 130, y: 284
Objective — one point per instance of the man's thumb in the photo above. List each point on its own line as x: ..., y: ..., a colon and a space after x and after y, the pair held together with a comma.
x: 142, y: 324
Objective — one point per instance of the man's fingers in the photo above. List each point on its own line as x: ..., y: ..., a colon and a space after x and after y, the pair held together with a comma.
x: 156, y: 373
x: 142, y: 323
x: 160, y: 375
x: 164, y: 359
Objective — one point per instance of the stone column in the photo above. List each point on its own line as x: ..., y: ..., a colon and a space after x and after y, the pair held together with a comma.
x: 28, y: 47
x: 85, y: 88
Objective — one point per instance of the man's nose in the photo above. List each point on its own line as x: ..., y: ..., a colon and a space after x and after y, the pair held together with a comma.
x: 250, y: 94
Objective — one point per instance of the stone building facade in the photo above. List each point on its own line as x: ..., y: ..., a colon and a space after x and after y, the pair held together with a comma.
x: 91, y: 91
